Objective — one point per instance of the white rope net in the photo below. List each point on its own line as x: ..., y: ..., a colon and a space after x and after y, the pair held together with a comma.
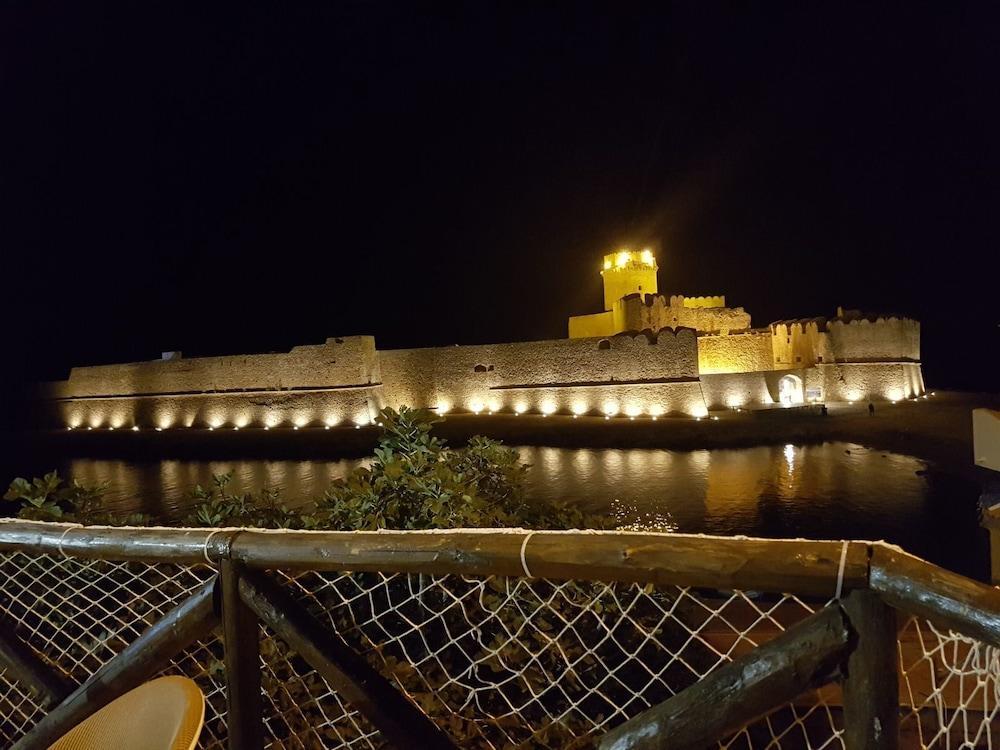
x: 496, y: 662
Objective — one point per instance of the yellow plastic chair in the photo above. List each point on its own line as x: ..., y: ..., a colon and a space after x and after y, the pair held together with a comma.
x: 163, y: 714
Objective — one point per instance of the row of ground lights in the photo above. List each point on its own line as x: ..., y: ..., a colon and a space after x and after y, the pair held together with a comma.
x: 608, y: 411
x: 223, y: 426
x: 897, y: 400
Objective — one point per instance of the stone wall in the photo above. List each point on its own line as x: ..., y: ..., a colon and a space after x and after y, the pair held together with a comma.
x: 341, y: 406
x: 743, y: 390
x: 344, y: 361
x: 869, y: 340
x: 736, y: 352
x: 546, y: 375
x: 876, y: 381
x: 653, y: 312
x: 800, y: 343
x: 587, y: 326
x: 679, y: 300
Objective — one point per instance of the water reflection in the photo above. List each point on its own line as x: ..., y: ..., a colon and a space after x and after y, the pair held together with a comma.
x: 831, y: 491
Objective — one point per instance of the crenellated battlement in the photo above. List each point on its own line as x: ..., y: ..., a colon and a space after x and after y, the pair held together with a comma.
x: 680, y: 300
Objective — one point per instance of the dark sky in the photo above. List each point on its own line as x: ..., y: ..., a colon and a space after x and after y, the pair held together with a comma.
x: 235, y: 179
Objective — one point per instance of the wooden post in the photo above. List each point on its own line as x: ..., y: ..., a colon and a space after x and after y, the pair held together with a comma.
x: 991, y: 522
x: 27, y: 667
x: 807, y: 655
x: 147, y: 655
x: 241, y: 633
x: 871, y: 685
x: 919, y: 588
x: 401, y: 723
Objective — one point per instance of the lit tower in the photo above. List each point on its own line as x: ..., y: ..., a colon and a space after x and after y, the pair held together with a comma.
x: 628, y: 272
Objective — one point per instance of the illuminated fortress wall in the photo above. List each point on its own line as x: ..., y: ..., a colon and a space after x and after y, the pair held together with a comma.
x: 745, y: 390
x: 317, y: 385
x: 332, y: 382
x: 623, y: 373
x: 890, y: 381
x: 855, y: 338
x: 749, y: 351
x: 350, y: 360
x: 800, y: 343
x: 653, y: 312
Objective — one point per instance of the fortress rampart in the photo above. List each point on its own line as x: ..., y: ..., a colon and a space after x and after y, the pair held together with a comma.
x: 863, y: 339
x: 637, y: 312
x: 549, y: 376
x: 749, y: 351
x: 316, y: 385
x: 679, y: 300
x: 344, y: 361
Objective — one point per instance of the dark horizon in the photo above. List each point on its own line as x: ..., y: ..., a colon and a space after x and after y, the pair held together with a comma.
x: 220, y: 181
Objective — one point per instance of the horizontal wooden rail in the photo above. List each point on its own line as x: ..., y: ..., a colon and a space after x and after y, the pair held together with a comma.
x: 918, y: 587
x: 792, y: 566
x: 773, y: 565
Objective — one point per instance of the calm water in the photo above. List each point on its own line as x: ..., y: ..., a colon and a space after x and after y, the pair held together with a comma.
x: 832, y: 491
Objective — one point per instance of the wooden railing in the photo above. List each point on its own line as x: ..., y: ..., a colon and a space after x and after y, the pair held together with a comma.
x: 852, y: 641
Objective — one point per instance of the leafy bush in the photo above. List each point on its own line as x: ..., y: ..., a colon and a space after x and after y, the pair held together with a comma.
x: 218, y: 507
x: 49, y: 499
x: 414, y: 482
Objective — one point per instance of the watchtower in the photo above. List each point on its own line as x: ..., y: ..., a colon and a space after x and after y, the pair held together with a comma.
x: 628, y: 272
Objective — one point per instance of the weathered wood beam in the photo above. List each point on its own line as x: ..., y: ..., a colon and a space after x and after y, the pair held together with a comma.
x: 788, y: 566
x: 804, y: 657
x: 150, y: 545
x: 26, y: 666
x: 401, y: 723
x: 871, y: 682
x: 917, y: 587
x: 241, y: 634
x: 776, y: 565
x: 147, y: 655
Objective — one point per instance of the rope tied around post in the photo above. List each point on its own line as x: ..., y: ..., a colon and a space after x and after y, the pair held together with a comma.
x: 524, y: 549
x: 840, y: 570
x: 62, y: 536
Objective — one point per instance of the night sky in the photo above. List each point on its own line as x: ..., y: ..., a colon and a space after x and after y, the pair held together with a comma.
x: 242, y: 179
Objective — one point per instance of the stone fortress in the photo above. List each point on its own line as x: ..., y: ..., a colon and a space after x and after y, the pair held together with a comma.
x: 645, y: 355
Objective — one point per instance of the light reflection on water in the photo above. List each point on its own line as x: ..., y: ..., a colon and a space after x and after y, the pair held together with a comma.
x: 832, y: 491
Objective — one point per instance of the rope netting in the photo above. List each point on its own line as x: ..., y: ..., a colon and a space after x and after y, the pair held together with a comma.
x: 496, y: 662
x: 949, y: 688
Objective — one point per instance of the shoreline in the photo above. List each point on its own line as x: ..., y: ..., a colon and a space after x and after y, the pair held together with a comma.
x: 937, y: 430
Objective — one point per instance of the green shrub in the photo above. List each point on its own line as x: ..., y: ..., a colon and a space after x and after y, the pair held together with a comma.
x: 414, y: 482
x: 49, y: 499
x: 264, y: 509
